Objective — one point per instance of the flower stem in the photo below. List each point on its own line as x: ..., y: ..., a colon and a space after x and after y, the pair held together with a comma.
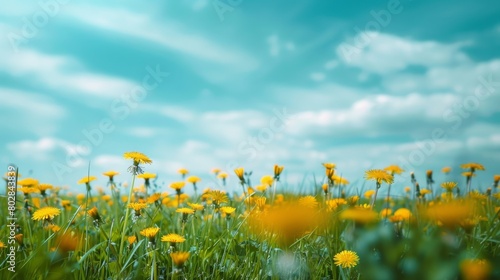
x: 127, y: 213
x: 375, y: 195
x: 388, y: 196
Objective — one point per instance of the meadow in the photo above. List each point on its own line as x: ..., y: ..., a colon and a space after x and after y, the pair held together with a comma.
x: 435, y: 230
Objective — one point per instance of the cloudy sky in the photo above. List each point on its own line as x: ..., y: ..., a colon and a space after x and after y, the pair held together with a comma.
x: 226, y: 83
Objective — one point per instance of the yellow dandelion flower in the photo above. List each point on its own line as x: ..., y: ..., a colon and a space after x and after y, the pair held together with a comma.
x: 261, y: 188
x: 218, y: 197
x: 179, y: 258
x: 386, y: 212
x: 285, y: 224
x: 477, y: 195
x: 94, y: 214
x: 216, y: 170
x: 277, y: 171
x: 146, y: 176
x: 474, y: 269
x: 364, y: 206
x: 86, y: 179
x: 28, y: 182
x: 329, y: 165
x: 449, y: 186
x: 369, y: 193
x: 177, y: 185
x: 472, y: 166
x: 468, y: 174
x: 308, y: 201
x: 259, y: 202
x: 359, y: 215
x: 446, y: 170
x: 469, y: 224
x: 227, y: 210
x: 19, y: 238
x: 173, y: 238
x: 196, y: 206
x: 44, y: 187
x: 66, y: 204
x: 250, y: 190
x: 346, y: 259
x: 183, y: 197
x: 325, y: 188
x: 240, y: 172
x: 329, y: 173
x: 394, y: 169
x: 425, y: 191
x: 137, y: 157
x: 137, y: 206
x: 185, y: 210
x: 150, y: 232
x: 193, y: 179
x: 53, y: 228
x: 403, y: 214
x: 154, y: 198
x: 2, y: 245
x: 339, y: 201
x: 331, y: 205
x: 339, y: 180
x: 267, y: 180
x: 496, y: 179
x: 46, y: 213
x: 28, y: 190
x: 450, y: 214
x: 183, y: 171
x: 222, y: 175
x: 67, y: 242
x: 131, y: 239
x: 352, y: 200
x: 379, y: 175
x: 110, y: 174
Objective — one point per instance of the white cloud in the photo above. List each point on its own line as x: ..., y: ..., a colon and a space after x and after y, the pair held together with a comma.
x: 331, y: 64
x: 42, y: 149
x: 276, y: 46
x: 378, y: 115
x: 231, y: 127
x: 143, y: 132
x: 168, y: 34
x: 317, y: 76
x: 61, y: 74
x: 385, y: 53
x: 176, y: 112
x: 464, y: 80
x: 107, y: 162
x: 41, y: 114
x: 31, y: 103
x: 322, y: 96
x: 199, y: 4
x: 481, y: 142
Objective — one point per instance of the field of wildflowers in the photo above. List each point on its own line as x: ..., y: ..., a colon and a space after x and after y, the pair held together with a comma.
x: 440, y: 230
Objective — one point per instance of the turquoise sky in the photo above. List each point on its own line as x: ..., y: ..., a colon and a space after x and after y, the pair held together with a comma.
x: 227, y: 83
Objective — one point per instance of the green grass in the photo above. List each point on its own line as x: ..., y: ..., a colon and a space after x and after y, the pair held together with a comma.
x: 234, y: 247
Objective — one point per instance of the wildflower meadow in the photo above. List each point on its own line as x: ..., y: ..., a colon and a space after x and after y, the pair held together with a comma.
x: 393, y: 229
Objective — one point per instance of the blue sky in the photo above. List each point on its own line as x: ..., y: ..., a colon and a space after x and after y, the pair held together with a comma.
x: 202, y: 84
